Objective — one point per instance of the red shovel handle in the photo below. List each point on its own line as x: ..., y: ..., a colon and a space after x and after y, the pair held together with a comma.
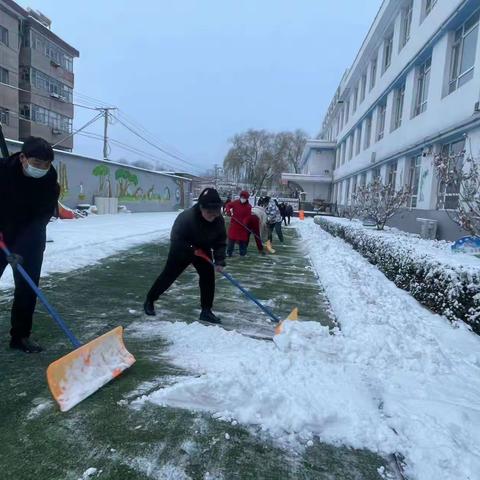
x: 200, y: 253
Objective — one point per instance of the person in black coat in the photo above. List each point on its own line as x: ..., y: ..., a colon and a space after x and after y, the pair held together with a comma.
x: 28, y: 198
x: 201, y: 227
x: 288, y: 212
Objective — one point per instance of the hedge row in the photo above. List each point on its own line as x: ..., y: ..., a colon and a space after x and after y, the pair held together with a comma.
x: 450, y: 290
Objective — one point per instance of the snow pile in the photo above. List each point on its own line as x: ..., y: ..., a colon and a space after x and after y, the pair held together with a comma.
x: 82, y: 242
x: 396, y: 378
x: 284, y: 391
x: 447, y: 283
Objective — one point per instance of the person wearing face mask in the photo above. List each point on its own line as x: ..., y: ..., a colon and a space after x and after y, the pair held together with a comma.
x: 201, y: 227
x: 29, y: 194
x: 239, y: 211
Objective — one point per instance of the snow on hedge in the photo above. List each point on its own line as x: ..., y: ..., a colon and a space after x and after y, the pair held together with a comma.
x: 447, y: 283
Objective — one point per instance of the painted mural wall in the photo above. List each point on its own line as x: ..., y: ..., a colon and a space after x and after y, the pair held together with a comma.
x: 82, y: 179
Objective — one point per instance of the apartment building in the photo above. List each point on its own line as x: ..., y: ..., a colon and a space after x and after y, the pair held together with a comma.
x: 413, y: 91
x: 36, y: 77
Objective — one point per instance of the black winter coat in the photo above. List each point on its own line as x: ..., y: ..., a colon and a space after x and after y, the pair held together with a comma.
x: 190, y: 230
x: 26, y: 203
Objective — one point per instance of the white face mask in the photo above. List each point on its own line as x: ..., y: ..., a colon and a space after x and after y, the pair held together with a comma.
x: 35, y: 172
x: 243, y: 200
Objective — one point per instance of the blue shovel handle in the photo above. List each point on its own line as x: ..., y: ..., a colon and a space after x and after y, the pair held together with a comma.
x: 202, y: 254
x: 42, y: 298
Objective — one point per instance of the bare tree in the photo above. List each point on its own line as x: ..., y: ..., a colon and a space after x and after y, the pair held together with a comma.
x: 378, y: 202
x: 459, y: 176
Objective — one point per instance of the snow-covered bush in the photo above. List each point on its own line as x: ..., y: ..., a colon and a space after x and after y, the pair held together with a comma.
x: 426, y: 269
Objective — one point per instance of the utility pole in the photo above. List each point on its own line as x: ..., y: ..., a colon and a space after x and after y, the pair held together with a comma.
x: 106, y: 115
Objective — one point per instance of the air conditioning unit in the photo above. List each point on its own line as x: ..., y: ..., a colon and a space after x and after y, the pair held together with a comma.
x: 56, y: 131
x: 373, y: 157
x: 476, y: 108
x: 54, y: 95
x: 53, y: 63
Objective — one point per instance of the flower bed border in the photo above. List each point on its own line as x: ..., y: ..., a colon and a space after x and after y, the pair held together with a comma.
x: 452, y: 291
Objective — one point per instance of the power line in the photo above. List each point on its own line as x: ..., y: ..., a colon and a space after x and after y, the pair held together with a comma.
x: 166, y: 152
x: 136, y: 124
x: 129, y: 148
x: 43, y: 96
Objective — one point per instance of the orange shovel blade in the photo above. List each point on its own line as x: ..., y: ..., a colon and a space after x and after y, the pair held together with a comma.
x: 293, y: 316
x: 82, y: 372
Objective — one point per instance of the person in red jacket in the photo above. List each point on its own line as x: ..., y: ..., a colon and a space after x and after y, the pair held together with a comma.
x: 239, y: 211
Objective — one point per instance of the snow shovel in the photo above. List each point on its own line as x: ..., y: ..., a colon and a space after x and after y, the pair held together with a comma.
x: 200, y: 253
x: 83, y: 371
x: 268, y: 243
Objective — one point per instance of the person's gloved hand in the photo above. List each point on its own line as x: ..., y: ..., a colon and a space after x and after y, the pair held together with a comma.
x: 14, y: 260
x: 219, y: 268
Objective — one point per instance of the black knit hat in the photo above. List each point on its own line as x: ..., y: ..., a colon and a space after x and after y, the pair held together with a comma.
x: 210, y: 199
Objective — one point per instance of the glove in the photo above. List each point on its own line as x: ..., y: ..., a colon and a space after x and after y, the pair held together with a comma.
x: 14, y: 260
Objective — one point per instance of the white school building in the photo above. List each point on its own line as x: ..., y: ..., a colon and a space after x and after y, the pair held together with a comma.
x: 413, y: 90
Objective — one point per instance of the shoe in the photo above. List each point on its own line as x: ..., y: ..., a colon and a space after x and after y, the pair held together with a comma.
x: 208, y: 316
x: 25, y: 345
x: 148, y: 308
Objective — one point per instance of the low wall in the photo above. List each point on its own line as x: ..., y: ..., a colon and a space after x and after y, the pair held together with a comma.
x: 83, y: 178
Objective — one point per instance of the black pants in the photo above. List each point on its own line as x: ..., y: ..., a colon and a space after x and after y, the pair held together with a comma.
x: 24, y: 298
x: 176, y: 264
x: 288, y: 216
x: 278, y: 228
x: 242, y: 247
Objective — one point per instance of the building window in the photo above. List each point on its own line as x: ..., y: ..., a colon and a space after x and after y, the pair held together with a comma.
x: 363, y: 179
x: 58, y: 56
x: 41, y: 115
x: 363, y: 87
x: 350, y: 147
x: 376, y: 174
x: 429, y: 4
x: 340, y: 192
x: 373, y: 72
x: 398, y: 107
x: 4, y: 116
x: 46, y: 83
x: 344, y: 151
x: 347, y: 192
x: 448, y: 195
x: 406, y: 25
x: 4, y: 75
x: 382, y: 111
x: 414, y: 180
x: 347, y: 111
x: 392, y: 174
x: 462, y: 57
x: 423, y: 80
x: 387, y: 52
x: 368, y: 132
x: 355, y: 99
x: 4, y: 35
x: 354, y: 185
x: 359, y: 140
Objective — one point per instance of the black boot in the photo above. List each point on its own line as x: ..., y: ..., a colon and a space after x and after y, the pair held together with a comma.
x: 208, y: 316
x: 148, y: 308
x: 25, y: 345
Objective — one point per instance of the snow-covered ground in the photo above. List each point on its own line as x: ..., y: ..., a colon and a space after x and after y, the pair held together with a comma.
x: 396, y: 378
x: 82, y: 242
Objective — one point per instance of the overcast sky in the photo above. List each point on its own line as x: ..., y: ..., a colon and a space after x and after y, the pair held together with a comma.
x: 195, y: 72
